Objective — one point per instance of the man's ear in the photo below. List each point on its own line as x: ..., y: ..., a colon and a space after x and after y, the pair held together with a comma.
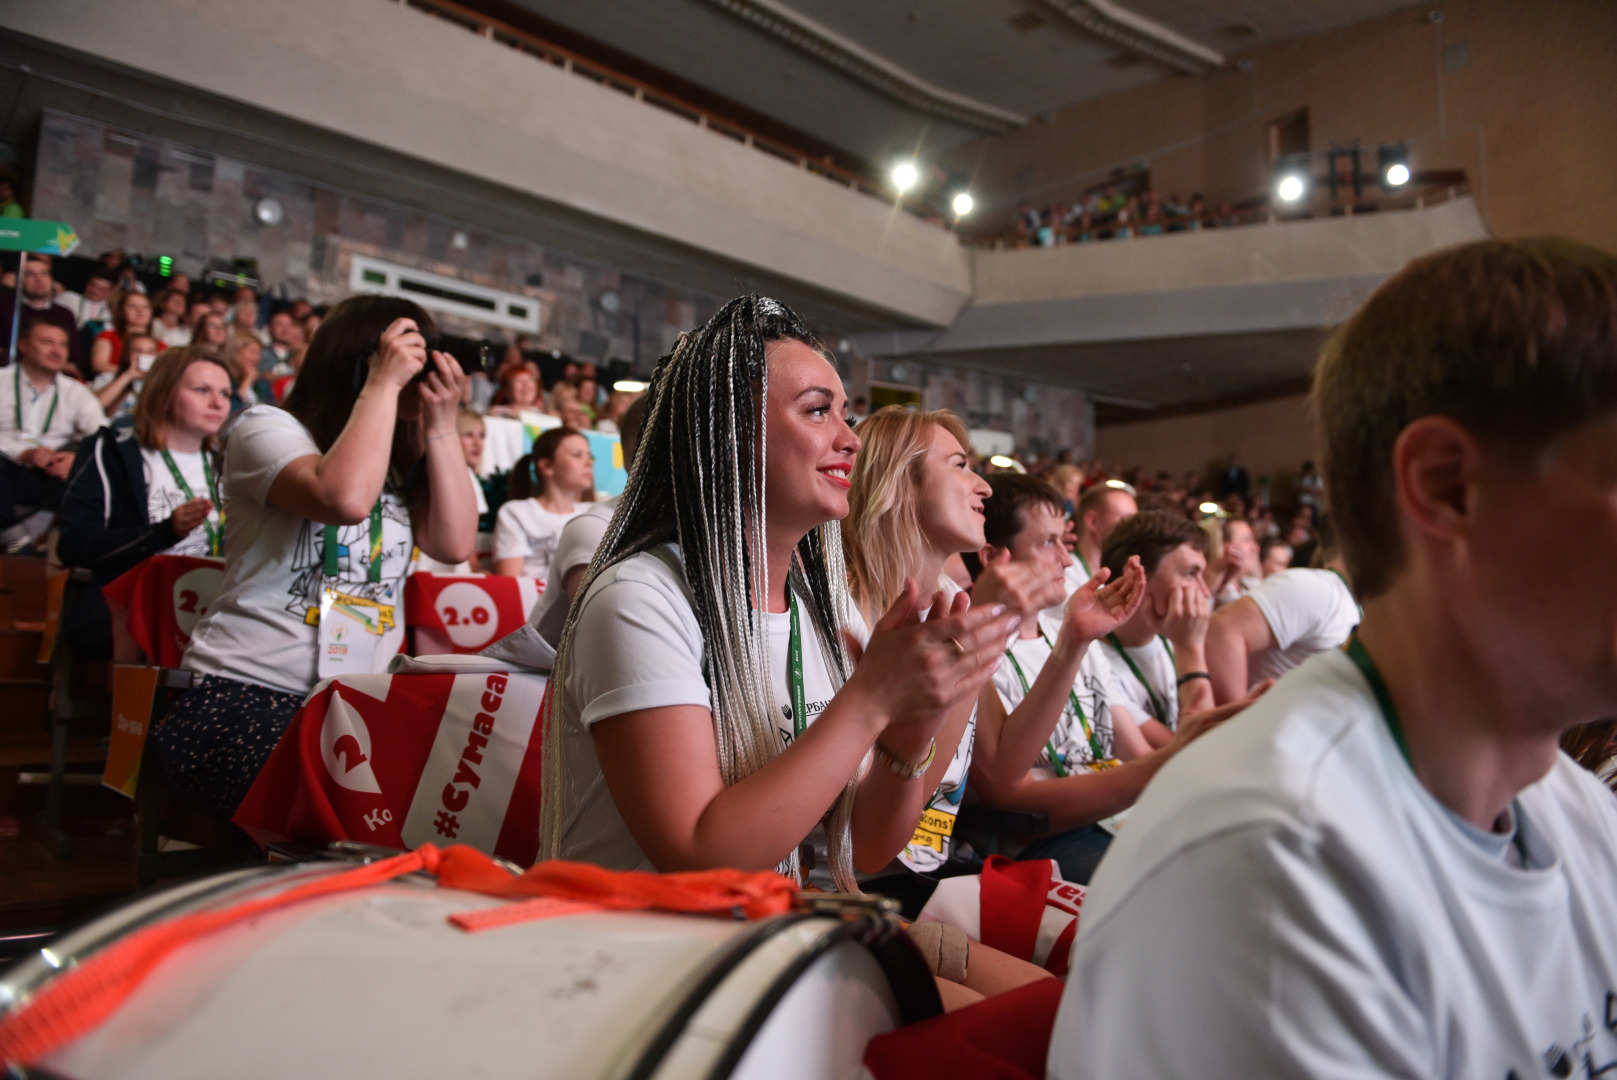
x: 993, y: 553
x: 1435, y: 463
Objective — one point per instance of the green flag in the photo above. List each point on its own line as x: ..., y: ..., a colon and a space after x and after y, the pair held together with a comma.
x: 43, y: 237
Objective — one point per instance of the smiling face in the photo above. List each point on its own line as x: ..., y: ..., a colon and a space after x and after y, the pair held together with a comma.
x: 810, y: 447
x: 202, y: 401
x: 949, y: 496
x: 524, y: 388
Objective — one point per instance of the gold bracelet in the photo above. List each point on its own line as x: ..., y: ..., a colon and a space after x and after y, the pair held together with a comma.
x: 903, y: 769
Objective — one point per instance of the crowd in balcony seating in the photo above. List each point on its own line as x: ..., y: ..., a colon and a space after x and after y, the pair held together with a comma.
x: 1110, y: 214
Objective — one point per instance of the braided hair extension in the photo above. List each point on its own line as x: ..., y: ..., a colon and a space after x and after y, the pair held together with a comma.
x: 697, y: 480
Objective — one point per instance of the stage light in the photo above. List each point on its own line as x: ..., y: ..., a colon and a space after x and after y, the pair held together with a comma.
x: 1000, y: 461
x: 629, y: 386
x: 165, y: 266
x: 905, y: 176
x: 1209, y: 508
x: 1291, y: 187
x: 962, y: 204
x: 1392, y: 163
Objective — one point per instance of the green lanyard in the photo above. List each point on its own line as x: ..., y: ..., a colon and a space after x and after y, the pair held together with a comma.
x: 1081, y: 562
x: 1078, y: 710
x: 794, y: 649
x: 1372, y: 675
x: 214, y: 543
x: 375, y: 574
x: 1158, y: 708
x: 56, y: 396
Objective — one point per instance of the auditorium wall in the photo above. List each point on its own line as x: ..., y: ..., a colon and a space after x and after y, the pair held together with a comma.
x: 1269, y: 437
x: 121, y: 189
x: 1518, y: 95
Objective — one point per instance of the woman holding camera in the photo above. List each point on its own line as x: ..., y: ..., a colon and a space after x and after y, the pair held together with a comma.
x: 324, y: 501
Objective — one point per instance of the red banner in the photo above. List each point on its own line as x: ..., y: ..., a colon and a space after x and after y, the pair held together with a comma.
x: 403, y: 760
x: 166, y: 595
x: 1020, y: 908
x: 465, y: 614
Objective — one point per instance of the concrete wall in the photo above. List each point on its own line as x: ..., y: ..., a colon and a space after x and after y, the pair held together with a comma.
x: 391, y: 76
x: 1273, y: 437
x: 1516, y: 93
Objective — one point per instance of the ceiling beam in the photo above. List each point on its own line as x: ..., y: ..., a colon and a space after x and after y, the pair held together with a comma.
x: 1108, y: 20
x: 875, y: 71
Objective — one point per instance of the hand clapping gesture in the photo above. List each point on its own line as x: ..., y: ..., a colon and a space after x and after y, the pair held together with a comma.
x: 1101, y: 606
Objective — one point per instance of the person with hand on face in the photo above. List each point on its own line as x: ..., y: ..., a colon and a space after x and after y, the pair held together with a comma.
x: 1388, y: 867
x: 44, y: 413
x: 324, y: 503
x: 1159, y: 657
x: 1234, y: 568
x: 1089, y: 758
x: 547, y: 488
x: 118, y: 391
x: 150, y: 489
x: 705, y: 711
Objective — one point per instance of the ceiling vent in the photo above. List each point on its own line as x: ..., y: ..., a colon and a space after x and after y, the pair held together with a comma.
x: 1239, y: 31
x: 1027, y: 20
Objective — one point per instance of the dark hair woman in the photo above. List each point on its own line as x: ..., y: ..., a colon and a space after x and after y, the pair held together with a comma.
x: 325, y: 501
x: 147, y: 490
x: 547, y: 489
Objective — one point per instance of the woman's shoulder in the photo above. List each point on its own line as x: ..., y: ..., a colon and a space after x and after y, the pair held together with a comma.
x: 658, y: 571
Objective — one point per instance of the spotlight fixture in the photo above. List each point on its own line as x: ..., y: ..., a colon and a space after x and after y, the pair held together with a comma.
x: 1291, y: 187
x: 629, y: 386
x: 962, y: 204
x: 905, y: 176
x: 1392, y: 162
x: 1209, y: 508
x: 1000, y: 461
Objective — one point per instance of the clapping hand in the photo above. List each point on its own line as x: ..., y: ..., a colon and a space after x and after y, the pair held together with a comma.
x: 1101, y: 606
x: 188, y: 515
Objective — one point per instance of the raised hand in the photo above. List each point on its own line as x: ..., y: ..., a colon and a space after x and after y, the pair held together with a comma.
x: 188, y: 515
x: 441, y: 394
x: 400, y: 354
x: 917, y: 671
x: 1017, y: 585
x: 1102, y: 606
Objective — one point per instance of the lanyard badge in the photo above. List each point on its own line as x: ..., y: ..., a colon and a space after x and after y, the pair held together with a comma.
x: 353, y: 621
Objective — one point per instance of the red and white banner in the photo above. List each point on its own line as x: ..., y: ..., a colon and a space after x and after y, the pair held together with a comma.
x: 1020, y: 908
x: 464, y: 614
x: 401, y: 760
x: 166, y: 596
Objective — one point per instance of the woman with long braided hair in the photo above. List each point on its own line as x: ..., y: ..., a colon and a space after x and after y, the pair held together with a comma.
x: 705, y: 710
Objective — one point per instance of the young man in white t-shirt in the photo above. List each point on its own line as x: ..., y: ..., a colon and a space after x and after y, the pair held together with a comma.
x: 1090, y: 760
x: 1282, y: 621
x: 1387, y: 867
x: 1158, y: 657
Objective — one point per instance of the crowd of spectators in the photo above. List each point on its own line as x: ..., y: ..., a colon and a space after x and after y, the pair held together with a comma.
x: 1110, y: 214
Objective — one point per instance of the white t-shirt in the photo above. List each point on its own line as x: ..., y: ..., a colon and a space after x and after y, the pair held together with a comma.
x: 258, y: 629
x: 1308, y: 610
x: 1288, y: 900
x: 172, y: 337
x: 1094, y: 687
x: 1154, y: 660
x: 524, y: 529
x: 164, y: 496
x: 68, y: 405
x: 579, y: 538
x: 639, y: 647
